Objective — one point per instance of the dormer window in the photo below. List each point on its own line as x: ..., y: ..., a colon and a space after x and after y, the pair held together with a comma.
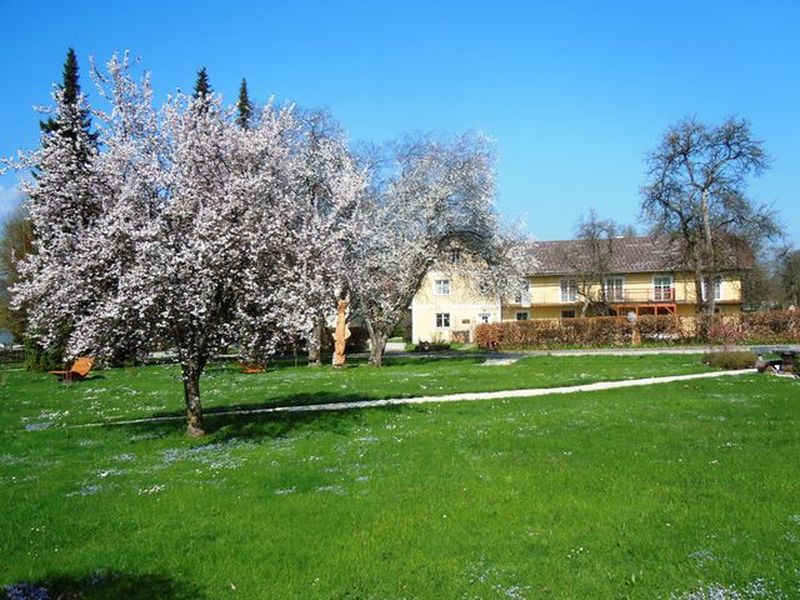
x: 441, y: 287
x: 455, y: 256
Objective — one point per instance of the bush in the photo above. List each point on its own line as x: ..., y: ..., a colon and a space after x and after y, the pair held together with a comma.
x: 424, y: 346
x: 663, y: 329
x: 774, y: 327
x: 733, y: 361
x: 771, y: 327
x: 552, y: 333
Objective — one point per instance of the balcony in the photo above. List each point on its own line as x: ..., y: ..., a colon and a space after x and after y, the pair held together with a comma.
x: 641, y: 296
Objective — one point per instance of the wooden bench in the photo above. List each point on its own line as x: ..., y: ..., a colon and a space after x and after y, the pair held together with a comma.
x: 249, y: 368
x: 787, y: 362
x: 79, y: 370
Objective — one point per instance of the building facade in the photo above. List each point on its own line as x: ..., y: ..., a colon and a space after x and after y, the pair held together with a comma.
x: 640, y: 276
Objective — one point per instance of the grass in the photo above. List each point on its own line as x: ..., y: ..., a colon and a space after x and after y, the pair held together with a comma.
x: 116, y: 394
x: 649, y: 492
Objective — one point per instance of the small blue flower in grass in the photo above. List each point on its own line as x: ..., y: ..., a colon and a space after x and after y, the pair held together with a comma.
x: 38, y: 426
x: 25, y: 591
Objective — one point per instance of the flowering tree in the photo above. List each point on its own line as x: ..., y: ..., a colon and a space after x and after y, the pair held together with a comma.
x: 193, y: 232
x: 61, y: 206
x: 190, y: 241
x: 428, y: 196
x: 328, y: 188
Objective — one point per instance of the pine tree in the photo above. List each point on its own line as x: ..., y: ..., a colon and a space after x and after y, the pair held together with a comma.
x: 202, y: 88
x: 61, y: 205
x: 244, y: 107
x: 70, y: 89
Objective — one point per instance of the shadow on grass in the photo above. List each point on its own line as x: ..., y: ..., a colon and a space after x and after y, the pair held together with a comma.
x: 223, y: 424
x: 232, y: 366
x: 104, y: 585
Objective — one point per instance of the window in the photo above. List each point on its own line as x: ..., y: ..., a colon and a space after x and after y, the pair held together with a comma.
x: 484, y: 318
x: 614, y: 288
x: 522, y: 315
x: 717, y: 288
x: 662, y: 288
x: 567, y: 314
x: 443, y: 320
x: 441, y: 287
x: 569, y: 290
x: 455, y: 256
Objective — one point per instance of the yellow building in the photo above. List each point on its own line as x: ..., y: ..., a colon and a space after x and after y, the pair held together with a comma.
x: 642, y: 276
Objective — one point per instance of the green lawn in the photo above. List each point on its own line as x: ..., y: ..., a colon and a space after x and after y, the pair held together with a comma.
x: 652, y: 492
x: 157, y: 390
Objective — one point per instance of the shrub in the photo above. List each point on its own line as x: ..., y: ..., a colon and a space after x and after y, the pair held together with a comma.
x: 662, y: 328
x: 774, y: 327
x: 725, y: 331
x: 552, y: 333
x: 733, y: 361
x: 771, y: 327
x: 424, y: 346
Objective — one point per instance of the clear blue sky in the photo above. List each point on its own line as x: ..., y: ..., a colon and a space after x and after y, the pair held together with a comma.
x: 575, y: 93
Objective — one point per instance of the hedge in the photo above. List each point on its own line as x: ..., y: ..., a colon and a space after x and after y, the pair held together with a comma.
x: 775, y: 327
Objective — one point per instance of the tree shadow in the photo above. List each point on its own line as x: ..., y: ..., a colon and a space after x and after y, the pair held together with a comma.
x: 359, y: 361
x: 257, y: 421
x: 102, y: 584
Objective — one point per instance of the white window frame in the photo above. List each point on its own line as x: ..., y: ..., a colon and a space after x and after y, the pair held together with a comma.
x: 670, y: 287
x: 441, y: 287
x: 717, y: 288
x: 442, y: 320
x: 524, y: 313
x: 484, y: 318
x: 614, y: 293
x: 569, y: 290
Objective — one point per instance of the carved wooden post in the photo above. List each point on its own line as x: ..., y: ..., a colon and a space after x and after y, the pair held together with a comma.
x: 340, y: 335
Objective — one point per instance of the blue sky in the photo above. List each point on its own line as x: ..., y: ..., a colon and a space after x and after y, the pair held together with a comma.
x: 574, y: 93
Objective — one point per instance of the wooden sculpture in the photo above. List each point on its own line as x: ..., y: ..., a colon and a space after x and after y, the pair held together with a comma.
x: 340, y: 335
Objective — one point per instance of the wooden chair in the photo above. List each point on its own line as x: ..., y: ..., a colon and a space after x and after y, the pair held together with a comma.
x: 79, y: 370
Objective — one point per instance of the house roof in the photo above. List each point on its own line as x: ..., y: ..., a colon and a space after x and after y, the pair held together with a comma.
x: 649, y: 254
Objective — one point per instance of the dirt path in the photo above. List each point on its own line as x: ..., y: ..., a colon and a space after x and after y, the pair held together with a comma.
x: 462, y: 397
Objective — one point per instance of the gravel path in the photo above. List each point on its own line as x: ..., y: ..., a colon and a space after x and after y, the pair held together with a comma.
x: 463, y: 397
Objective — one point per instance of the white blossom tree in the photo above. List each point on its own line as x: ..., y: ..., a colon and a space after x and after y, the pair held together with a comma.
x: 426, y: 197
x: 191, y: 244
x: 328, y: 188
x: 62, y: 206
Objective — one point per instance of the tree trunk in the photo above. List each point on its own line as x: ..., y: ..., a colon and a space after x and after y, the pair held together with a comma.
x: 315, y: 343
x: 377, y: 344
x: 191, y: 394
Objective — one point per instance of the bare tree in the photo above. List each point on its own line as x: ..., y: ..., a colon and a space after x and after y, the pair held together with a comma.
x: 590, y: 260
x: 695, y: 192
x: 16, y: 242
x: 789, y: 277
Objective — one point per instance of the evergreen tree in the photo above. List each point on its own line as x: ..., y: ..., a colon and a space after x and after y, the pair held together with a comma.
x: 61, y: 205
x: 202, y: 88
x: 244, y: 107
x: 70, y: 90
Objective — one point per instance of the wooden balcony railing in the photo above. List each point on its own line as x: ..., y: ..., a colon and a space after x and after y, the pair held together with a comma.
x: 640, y: 296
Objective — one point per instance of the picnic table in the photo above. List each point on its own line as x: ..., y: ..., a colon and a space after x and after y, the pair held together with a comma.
x: 787, y: 361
